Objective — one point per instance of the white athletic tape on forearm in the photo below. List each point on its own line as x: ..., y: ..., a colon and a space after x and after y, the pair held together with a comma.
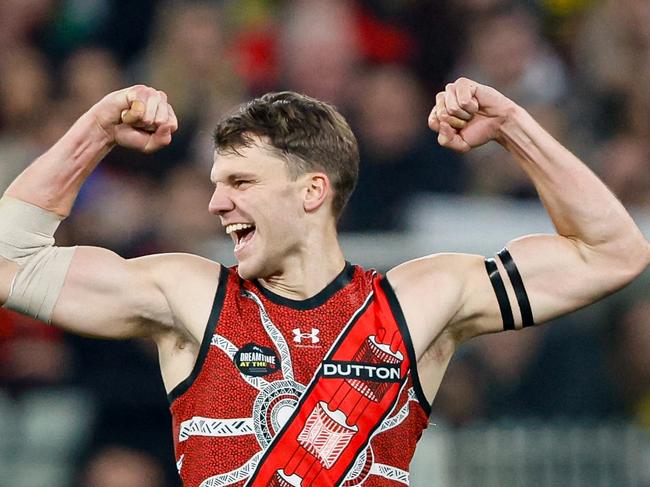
x: 27, y: 238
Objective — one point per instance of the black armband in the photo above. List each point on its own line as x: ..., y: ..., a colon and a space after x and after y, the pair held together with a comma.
x: 518, y: 286
x: 502, y: 295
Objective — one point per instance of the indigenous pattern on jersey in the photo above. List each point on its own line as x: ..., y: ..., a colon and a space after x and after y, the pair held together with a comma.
x: 320, y: 392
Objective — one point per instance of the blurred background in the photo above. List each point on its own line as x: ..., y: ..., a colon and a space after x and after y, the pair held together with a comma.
x: 567, y: 404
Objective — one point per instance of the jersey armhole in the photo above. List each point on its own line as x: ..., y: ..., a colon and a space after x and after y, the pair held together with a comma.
x: 210, y: 328
x: 398, y: 314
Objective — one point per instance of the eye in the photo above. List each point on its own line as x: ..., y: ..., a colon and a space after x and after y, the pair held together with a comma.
x: 241, y: 183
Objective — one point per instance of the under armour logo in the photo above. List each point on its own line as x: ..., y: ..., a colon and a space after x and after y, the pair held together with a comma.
x: 298, y: 336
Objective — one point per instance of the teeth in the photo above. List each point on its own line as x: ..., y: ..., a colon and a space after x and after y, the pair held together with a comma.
x: 235, y: 227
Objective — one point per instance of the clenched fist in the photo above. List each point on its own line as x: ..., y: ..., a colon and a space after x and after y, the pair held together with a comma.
x: 137, y: 117
x: 468, y: 114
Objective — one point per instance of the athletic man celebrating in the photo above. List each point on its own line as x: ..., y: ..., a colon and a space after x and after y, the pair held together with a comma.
x: 296, y: 367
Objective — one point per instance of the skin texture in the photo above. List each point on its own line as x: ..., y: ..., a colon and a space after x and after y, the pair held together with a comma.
x: 446, y: 298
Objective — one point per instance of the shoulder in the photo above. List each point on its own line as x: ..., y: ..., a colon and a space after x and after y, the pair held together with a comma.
x: 436, y: 271
x: 177, y: 266
x: 189, y: 284
x: 432, y: 292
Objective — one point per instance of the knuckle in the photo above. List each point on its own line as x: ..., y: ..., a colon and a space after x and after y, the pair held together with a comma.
x: 452, y: 105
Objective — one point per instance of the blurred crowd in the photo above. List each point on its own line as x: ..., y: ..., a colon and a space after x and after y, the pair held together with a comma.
x: 580, y: 66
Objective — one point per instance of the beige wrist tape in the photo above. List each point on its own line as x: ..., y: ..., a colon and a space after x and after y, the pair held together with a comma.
x: 27, y: 238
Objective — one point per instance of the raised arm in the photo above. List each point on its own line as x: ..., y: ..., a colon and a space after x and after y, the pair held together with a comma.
x: 86, y: 290
x: 597, y: 249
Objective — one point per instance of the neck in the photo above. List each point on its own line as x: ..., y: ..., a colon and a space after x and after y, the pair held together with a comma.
x: 305, y: 274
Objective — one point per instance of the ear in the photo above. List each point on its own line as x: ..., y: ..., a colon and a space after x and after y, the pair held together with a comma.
x: 317, y: 189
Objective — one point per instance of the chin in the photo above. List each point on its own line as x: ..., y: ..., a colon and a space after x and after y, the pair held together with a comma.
x: 249, y: 270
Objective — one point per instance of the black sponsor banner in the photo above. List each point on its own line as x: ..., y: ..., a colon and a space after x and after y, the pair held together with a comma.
x: 361, y: 371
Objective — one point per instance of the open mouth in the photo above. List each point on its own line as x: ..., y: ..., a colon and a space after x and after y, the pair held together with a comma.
x: 241, y: 233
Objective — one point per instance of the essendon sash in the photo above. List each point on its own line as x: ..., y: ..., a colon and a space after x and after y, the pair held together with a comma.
x: 352, y: 392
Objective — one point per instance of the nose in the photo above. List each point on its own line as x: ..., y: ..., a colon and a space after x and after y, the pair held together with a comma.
x: 220, y: 202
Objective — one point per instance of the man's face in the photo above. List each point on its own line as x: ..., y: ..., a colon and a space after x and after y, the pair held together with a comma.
x: 260, y: 207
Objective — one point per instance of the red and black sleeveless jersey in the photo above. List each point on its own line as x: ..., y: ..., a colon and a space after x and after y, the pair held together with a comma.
x: 320, y: 392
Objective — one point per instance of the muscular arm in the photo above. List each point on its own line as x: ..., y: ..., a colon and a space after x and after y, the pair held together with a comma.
x: 110, y: 297
x: 103, y: 294
x: 597, y: 249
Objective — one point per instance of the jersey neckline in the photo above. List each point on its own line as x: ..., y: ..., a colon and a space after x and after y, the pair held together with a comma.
x: 339, y: 282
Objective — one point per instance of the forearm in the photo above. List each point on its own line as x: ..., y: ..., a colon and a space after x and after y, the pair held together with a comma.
x: 32, y: 269
x: 580, y: 205
x: 52, y: 181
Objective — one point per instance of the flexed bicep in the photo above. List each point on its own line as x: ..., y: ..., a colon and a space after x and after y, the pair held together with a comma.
x: 551, y: 275
x: 534, y: 279
x: 106, y: 296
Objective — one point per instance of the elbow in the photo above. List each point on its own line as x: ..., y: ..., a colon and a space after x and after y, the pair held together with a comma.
x: 623, y: 260
x: 644, y: 257
x: 634, y: 258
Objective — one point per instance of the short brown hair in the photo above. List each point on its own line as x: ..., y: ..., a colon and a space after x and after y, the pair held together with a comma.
x: 310, y: 135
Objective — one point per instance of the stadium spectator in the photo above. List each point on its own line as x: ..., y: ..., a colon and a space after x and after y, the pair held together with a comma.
x: 397, y: 151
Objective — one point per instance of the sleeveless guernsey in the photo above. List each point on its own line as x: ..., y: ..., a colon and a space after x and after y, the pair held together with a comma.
x: 320, y: 392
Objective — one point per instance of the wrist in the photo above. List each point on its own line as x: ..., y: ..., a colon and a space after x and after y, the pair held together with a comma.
x: 101, y: 121
x: 90, y: 128
x: 514, y: 119
x: 53, y: 180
